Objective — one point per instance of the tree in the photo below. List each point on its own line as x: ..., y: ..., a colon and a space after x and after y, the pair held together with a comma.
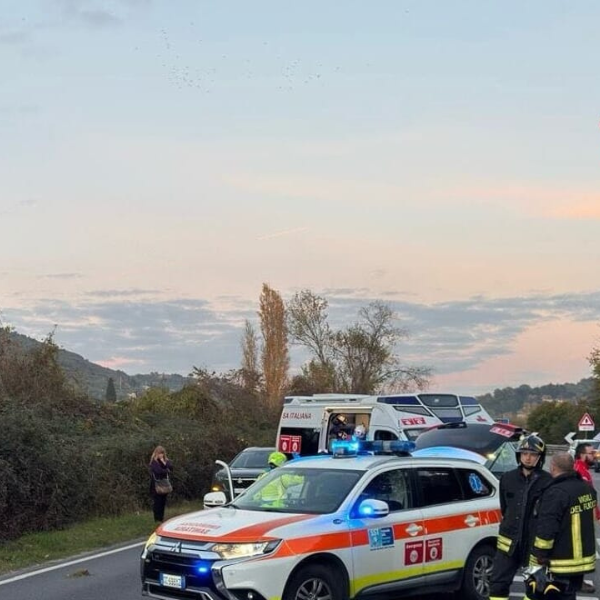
x: 274, y: 356
x: 308, y: 326
x: 554, y: 420
x: 359, y: 358
x: 250, y: 370
x: 111, y: 392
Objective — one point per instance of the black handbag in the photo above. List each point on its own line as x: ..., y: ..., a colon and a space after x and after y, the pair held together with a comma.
x: 163, y: 486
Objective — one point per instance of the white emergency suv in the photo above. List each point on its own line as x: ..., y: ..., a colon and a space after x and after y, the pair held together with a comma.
x: 309, y: 424
x: 335, y: 527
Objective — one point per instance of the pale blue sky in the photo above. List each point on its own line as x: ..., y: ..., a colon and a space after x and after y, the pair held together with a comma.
x: 160, y: 160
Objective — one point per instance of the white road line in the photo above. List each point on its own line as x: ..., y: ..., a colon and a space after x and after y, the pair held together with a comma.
x: 68, y: 564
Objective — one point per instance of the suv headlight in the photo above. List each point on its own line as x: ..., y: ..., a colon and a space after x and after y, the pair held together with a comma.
x: 229, y: 551
x: 151, y: 540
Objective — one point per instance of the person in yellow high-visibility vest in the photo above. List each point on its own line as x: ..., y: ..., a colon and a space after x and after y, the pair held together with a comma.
x: 273, y: 493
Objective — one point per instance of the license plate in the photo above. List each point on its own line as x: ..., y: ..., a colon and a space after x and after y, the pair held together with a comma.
x: 172, y: 581
x: 238, y: 490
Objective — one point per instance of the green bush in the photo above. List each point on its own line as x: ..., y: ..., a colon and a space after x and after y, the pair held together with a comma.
x: 65, y: 458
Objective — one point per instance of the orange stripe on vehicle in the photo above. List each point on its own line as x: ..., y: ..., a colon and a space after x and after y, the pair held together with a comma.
x: 491, y: 516
x: 360, y: 537
x: 319, y: 543
x: 447, y: 523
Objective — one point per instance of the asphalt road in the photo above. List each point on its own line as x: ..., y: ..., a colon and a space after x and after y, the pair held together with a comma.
x: 114, y: 575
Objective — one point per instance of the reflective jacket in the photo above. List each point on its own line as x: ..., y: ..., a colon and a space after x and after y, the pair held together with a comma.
x: 275, y: 492
x: 564, y: 533
x: 519, y: 496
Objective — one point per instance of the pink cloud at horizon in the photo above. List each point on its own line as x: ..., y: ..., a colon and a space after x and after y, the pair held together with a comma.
x: 555, y: 203
x: 547, y: 352
x: 117, y: 362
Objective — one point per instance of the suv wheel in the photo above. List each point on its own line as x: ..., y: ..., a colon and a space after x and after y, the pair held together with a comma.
x: 315, y: 582
x: 478, y: 572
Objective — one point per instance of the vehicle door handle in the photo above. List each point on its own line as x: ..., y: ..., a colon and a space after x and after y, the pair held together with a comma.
x: 471, y: 520
x: 413, y: 529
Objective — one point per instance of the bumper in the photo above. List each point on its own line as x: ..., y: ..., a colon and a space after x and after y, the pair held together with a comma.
x: 259, y: 578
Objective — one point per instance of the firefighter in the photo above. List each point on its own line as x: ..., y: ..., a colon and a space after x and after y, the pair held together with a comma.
x: 520, y: 491
x: 564, y: 543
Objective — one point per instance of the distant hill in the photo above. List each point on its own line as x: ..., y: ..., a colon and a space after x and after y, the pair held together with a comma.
x: 92, y: 379
x: 511, y: 401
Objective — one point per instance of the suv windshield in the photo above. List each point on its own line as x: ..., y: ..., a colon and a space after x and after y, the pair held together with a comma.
x: 251, y: 459
x: 289, y: 489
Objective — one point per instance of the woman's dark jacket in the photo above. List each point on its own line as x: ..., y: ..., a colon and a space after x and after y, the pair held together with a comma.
x: 159, y: 471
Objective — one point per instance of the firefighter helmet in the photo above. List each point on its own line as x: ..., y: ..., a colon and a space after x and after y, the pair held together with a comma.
x: 532, y: 443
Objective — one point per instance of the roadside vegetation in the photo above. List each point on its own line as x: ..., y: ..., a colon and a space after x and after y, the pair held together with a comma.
x: 65, y: 459
x: 95, y: 534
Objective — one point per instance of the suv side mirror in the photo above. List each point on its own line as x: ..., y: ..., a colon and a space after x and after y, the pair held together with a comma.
x: 372, y: 509
x: 213, y: 499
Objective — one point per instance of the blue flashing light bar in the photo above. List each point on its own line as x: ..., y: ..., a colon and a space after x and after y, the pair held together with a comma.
x: 341, y: 448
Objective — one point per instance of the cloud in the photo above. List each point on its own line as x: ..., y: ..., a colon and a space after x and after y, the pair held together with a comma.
x: 119, y: 362
x: 536, y: 201
x: 14, y: 38
x: 283, y: 233
x: 175, y: 335
x: 121, y: 293
x: 62, y: 276
x: 586, y: 211
x: 19, y: 206
x: 98, y: 14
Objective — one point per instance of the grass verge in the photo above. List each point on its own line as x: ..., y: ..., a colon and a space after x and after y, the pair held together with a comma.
x: 96, y: 534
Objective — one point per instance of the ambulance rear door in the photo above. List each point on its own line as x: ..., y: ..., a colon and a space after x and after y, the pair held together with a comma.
x: 299, y: 429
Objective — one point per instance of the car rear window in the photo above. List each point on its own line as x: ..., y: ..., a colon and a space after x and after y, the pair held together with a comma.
x: 251, y: 459
x: 477, y: 438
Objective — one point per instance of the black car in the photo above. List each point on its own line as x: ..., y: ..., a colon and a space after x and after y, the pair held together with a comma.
x: 245, y: 468
x: 495, y: 443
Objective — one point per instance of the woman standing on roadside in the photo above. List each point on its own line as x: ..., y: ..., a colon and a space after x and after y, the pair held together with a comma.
x: 160, y: 469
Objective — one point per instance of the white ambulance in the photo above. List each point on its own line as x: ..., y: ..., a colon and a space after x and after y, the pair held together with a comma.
x: 308, y: 424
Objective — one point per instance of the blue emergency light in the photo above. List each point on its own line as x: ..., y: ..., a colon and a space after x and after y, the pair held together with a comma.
x: 341, y: 448
x: 203, y: 567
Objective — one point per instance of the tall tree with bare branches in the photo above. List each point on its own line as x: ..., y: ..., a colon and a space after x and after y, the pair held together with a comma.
x: 360, y: 358
x: 275, y: 355
x: 250, y: 371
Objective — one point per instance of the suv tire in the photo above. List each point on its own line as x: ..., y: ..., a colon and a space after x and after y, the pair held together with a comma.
x: 477, y: 574
x: 315, y: 582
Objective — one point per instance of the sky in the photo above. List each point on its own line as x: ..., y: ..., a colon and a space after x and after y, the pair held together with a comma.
x: 160, y: 160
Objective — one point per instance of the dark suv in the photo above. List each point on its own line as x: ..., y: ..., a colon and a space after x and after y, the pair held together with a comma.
x: 245, y: 469
x: 495, y: 443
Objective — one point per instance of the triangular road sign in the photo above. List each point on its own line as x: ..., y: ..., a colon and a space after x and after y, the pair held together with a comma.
x: 586, y: 423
